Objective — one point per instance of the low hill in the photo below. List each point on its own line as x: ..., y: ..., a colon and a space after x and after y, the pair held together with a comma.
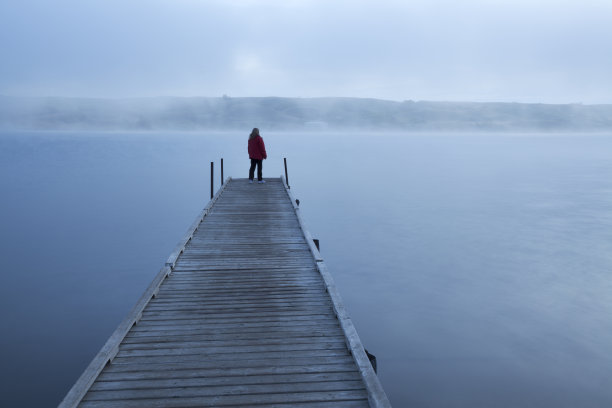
x: 173, y: 113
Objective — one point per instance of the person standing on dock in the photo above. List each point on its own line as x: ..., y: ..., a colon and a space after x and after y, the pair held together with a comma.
x: 257, y: 154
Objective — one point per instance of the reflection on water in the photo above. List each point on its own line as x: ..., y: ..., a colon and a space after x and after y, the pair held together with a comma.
x: 476, y: 267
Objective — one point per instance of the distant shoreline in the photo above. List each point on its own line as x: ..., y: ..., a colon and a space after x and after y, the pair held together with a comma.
x: 295, y: 114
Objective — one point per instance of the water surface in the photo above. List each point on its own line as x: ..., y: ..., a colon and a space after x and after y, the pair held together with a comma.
x: 477, y: 267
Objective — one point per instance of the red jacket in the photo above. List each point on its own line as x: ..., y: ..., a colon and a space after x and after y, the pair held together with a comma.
x: 257, y: 149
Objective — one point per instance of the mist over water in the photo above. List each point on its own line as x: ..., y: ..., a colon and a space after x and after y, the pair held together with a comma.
x: 477, y: 267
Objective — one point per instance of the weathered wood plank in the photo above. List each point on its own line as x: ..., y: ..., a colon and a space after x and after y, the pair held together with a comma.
x: 182, y: 391
x: 170, y: 298
x: 205, y: 335
x: 196, y: 319
x: 299, y: 362
x: 229, y: 400
x: 208, y: 381
x: 251, y: 311
x: 243, y: 325
x: 181, y: 372
x: 186, y: 306
x: 353, y: 399
x: 207, y: 349
x: 235, y: 329
x: 198, y: 342
x: 191, y: 354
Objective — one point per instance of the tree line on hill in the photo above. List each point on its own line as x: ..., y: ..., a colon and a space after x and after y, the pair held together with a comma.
x: 276, y: 113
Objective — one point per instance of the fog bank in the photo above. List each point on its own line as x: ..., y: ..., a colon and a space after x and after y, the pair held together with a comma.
x: 227, y: 113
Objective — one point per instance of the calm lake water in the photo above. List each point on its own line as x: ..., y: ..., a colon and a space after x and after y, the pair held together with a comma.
x: 477, y: 267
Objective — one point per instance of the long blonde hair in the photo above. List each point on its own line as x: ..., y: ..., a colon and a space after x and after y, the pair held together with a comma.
x: 254, y: 133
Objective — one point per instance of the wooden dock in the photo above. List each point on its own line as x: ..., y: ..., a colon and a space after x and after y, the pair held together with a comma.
x: 244, y: 313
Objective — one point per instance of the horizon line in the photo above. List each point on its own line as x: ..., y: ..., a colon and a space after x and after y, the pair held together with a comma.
x: 225, y: 96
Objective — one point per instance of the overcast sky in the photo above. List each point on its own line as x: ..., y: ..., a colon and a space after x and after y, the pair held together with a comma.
x: 469, y: 50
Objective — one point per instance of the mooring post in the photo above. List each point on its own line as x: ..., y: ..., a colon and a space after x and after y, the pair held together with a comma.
x: 212, y: 173
x: 222, y: 171
x: 286, y: 174
x: 372, y: 359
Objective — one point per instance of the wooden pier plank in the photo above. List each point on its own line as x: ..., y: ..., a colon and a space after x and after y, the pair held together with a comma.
x: 244, y: 373
x: 287, y: 399
x: 211, y: 381
x: 302, y: 363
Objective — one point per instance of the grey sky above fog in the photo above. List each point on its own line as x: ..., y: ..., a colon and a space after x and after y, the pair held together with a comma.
x: 551, y: 51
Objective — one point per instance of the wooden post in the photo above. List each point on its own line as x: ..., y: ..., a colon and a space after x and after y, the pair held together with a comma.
x: 222, y: 171
x: 212, y: 173
x: 372, y: 359
x: 286, y: 175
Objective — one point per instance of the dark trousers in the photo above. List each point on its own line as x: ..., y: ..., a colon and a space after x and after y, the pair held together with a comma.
x: 255, y: 162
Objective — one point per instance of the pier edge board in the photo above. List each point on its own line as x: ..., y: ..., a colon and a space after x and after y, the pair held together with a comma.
x: 77, y: 392
x: 180, y: 247
x: 376, y: 394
